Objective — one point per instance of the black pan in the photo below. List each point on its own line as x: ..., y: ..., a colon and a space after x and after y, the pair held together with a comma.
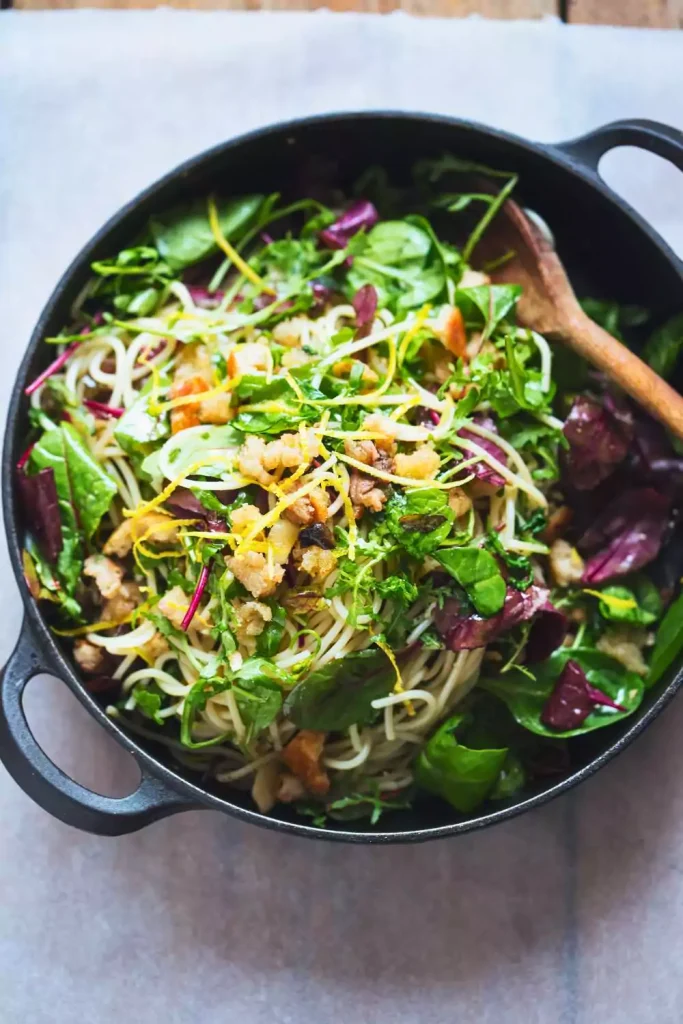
x: 609, y: 250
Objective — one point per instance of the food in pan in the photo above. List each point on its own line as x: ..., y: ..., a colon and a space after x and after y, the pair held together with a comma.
x: 319, y: 516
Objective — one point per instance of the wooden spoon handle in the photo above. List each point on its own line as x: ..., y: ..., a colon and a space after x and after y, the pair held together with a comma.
x: 634, y: 376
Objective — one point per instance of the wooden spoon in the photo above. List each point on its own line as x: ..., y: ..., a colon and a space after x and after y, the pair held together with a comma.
x: 548, y: 305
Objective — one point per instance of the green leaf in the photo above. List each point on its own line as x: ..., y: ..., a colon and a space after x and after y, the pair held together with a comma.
x: 463, y: 776
x: 184, y: 235
x: 526, y: 693
x: 664, y: 347
x: 526, y: 383
x: 394, y: 242
x: 84, y: 490
x: 369, y: 804
x: 268, y: 642
x: 419, y: 520
x: 613, y: 316
x: 640, y: 603
x: 520, y: 569
x: 258, y: 690
x: 398, y: 589
x: 149, y: 700
x: 511, y: 780
x: 669, y: 642
x: 477, y: 572
x: 137, y: 430
x: 341, y: 693
x: 486, y: 305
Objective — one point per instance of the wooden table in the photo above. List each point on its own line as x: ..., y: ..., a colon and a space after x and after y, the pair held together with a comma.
x: 644, y: 13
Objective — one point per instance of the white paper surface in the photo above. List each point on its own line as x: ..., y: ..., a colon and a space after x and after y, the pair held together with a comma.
x: 573, y: 914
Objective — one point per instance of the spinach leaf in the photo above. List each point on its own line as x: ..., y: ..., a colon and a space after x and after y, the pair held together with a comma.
x: 268, y: 642
x: 486, y: 305
x: 526, y: 694
x: 459, y: 774
x: 419, y: 520
x: 136, y: 280
x: 669, y: 641
x: 394, y: 242
x: 85, y: 491
x: 341, y: 693
x: 137, y: 430
x: 183, y: 236
x: 664, y: 347
x: 477, y: 572
x: 638, y: 603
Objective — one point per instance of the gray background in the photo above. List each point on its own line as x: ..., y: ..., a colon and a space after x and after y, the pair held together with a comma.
x: 572, y: 914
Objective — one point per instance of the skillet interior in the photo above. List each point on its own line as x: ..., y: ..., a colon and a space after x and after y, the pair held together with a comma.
x: 606, y: 252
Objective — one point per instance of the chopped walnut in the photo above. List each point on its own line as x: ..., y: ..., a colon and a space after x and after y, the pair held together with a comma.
x: 253, y: 572
x: 125, y: 600
x: 89, y: 657
x: 566, y: 564
x: 365, y: 492
x: 302, y: 756
x: 106, y: 573
x: 243, y: 518
x: 318, y: 563
x: 251, y: 458
x: 311, y: 508
x: 459, y: 502
x: 422, y: 464
x: 253, y: 357
x: 292, y: 333
x: 361, y: 451
x: 290, y: 450
x: 174, y: 605
x: 153, y: 526
x: 252, y: 617
x: 625, y: 645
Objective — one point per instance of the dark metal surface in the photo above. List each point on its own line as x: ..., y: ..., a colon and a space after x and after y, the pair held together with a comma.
x: 607, y: 247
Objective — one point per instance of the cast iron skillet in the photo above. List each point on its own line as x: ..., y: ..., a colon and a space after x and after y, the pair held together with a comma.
x: 609, y: 250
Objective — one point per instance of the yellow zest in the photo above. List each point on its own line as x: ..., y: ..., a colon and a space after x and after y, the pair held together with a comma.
x: 397, y: 414
x: 398, y: 685
x: 232, y: 254
x: 145, y: 657
x: 294, y: 386
x: 412, y: 331
x: 156, y: 408
x: 270, y: 560
x: 97, y: 627
x: 617, y: 603
x: 142, y: 510
x: 352, y: 435
x: 139, y: 546
x: 272, y: 517
x: 342, y: 487
x: 371, y: 397
x: 403, y: 481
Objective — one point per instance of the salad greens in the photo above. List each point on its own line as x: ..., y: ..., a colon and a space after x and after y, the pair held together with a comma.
x: 317, y: 511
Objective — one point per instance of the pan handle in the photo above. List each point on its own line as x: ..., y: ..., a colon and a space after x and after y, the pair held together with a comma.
x: 658, y: 138
x: 47, y: 784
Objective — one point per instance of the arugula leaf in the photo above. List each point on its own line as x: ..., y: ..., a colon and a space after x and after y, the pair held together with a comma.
x: 669, y: 641
x: 398, y: 589
x: 526, y: 693
x: 85, y: 491
x: 365, y: 804
x: 419, y: 520
x: 137, y: 430
x: 148, y: 700
x: 526, y: 382
x: 664, y: 347
x: 268, y: 642
x: 340, y: 693
x: 459, y: 774
x: 183, y: 236
x: 477, y: 572
x: 520, y: 569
